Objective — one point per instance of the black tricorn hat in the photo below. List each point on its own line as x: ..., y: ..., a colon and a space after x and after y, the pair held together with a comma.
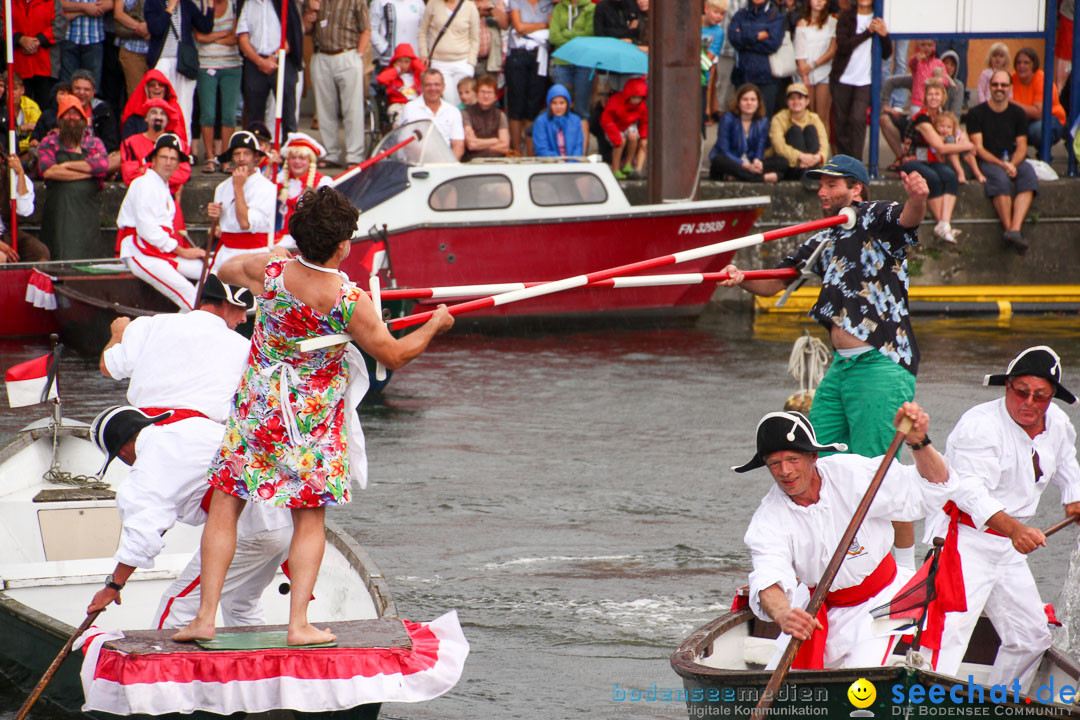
x: 172, y: 141
x: 1039, y: 361
x: 787, y: 430
x: 241, y: 139
x: 215, y: 291
x: 114, y: 426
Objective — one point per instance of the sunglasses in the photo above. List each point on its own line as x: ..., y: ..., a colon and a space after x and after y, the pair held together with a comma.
x: 1007, y: 84
x: 1036, y: 397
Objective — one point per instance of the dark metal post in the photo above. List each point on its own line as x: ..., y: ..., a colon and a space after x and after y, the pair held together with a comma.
x: 875, y: 93
x: 1048, y: 80
x: 1074, y: 95
x: 674, y: 150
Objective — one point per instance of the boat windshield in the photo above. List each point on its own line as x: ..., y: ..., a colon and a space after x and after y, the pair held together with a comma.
x: 427, y: 147
x: 376, y: 184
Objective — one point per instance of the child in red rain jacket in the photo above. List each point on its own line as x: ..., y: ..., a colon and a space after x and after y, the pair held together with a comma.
x: 402, y: 79
x: 625, y: 121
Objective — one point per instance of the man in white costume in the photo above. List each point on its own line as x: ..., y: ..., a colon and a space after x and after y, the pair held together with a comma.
x: 184, y: 371
x: 145, y: 237
x: 794, y: 532
x: 245, y: 205
x: 1004, y: 453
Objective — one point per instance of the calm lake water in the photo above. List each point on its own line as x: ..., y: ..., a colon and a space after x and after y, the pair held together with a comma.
x: 569, y: 494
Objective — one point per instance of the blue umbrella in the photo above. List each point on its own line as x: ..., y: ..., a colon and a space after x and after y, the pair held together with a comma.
x: 605, y: 53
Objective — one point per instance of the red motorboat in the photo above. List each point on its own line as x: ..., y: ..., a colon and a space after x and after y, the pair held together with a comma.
x: 445, y: 223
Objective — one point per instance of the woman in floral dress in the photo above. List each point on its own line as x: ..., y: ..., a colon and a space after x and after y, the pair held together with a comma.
x: 287, y: 440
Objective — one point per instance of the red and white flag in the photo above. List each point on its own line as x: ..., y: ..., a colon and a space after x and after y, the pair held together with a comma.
x: 39, y: 291
x: 30, y: 383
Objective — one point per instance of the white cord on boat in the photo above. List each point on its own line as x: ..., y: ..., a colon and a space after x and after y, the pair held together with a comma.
x: 809, y: 358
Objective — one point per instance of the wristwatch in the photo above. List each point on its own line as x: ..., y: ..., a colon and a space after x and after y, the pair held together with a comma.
x: 112, y: 584
x: 920, y: 445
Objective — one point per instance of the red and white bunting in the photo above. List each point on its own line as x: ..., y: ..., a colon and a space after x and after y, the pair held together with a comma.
x: 39, y: 290
x: 309, y: 680
x: 27, y: 382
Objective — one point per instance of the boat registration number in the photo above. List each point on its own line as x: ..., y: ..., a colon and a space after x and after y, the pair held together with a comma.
x: 702, y: 227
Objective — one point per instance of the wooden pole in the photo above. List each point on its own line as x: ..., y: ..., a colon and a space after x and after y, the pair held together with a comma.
x: 64, y: 652
x: 822, y: 589
x: 1060, y: 525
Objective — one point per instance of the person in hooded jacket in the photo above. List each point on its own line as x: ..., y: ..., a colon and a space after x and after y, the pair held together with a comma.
x: 756, y: 32
x: 558, y: 132
x: 154, y: 85
x: 625, y: 122
x: 401, y: 79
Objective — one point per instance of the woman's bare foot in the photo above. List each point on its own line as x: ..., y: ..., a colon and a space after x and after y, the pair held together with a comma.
x: 195, y: 630
x: 309, y: 635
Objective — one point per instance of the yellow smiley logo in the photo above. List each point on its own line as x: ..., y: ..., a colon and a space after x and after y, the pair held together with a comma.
x: 862, y: 693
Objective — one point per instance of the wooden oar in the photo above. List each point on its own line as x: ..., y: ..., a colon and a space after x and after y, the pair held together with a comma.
x: 1061, y: 525
x: 48, y: 676
x: 832, y: 569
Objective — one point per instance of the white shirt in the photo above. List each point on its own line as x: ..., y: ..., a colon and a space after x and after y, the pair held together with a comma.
x: 857, y: 72
x: 992, y: 458
x: 24, y: 205
x: 148, y: 207
x: 180, y: 360
x: 790, y: 543
x: 394, y: 22
x: 259, y: 19
x: 259, y: 193
x: 447, y: 119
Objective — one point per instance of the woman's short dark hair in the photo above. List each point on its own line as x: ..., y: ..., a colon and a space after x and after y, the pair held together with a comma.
x: 742, y: 90
x: 322, y: 220
x: 1031, y: 55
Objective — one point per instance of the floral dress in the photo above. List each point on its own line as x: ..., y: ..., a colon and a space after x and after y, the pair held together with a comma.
x: 286, y: 437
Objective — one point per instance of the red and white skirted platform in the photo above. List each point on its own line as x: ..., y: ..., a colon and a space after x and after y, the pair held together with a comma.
x: 375, y: 661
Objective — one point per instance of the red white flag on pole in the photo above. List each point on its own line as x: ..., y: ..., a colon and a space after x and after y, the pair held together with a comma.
x: 30, y: 383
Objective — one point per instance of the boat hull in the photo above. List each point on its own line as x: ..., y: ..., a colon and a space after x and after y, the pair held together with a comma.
x: 20, y: 318
x: 478, y: 253
x: 718, y: 682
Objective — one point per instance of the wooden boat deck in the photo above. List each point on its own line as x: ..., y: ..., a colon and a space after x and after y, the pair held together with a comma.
x: 351, y: 635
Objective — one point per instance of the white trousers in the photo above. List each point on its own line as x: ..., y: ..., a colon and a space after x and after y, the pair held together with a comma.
x: 452, y: 72
x: 185, y: 89
x: 257, y: 558
x: 851, y: 641
x: 173, y: 283
x: 339, y: 86
x: 997, y: 581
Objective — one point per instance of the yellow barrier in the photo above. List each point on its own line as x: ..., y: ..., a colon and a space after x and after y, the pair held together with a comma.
x: 1004, y: 296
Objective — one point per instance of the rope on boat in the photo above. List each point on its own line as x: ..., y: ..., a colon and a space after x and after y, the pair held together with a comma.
x: 807, y: 364
x: 63, y: 477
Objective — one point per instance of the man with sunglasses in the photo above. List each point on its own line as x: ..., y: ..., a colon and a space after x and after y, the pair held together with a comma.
x: 1004, y: 453
x: 999, y: 130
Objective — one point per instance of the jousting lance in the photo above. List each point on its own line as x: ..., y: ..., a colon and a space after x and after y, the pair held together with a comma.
x: 845, y: 218
x: 635, y: 281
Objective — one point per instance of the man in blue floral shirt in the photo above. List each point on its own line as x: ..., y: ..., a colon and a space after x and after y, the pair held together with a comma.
x: 864, y: 304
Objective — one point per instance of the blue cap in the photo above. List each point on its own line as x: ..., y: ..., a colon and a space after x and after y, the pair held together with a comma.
x: 842, y: 166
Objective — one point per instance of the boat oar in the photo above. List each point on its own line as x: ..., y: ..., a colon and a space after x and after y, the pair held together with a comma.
x: 822, y: 589
x: 845, y: 218
x: 48, y: 676
x: 634, y: 281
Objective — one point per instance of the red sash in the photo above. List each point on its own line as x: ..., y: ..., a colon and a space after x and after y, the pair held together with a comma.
x: 146, y: 248
x: 243, y: 240
x: 811, y: 654
x: 957, y: 515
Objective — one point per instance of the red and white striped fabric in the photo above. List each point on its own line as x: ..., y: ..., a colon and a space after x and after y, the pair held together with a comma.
x: 39, y: 290
x: 309, y: 680
x: 26, y: 382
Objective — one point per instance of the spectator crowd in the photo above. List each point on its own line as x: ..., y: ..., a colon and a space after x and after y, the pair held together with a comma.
x: 786, y: 83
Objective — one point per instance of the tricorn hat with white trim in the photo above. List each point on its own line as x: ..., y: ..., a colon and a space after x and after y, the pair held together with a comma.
x: 114, y: 426
x: 1039, y: 361
x: 788, y: 430
x: 215, y: 291
x: 241, y: 139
